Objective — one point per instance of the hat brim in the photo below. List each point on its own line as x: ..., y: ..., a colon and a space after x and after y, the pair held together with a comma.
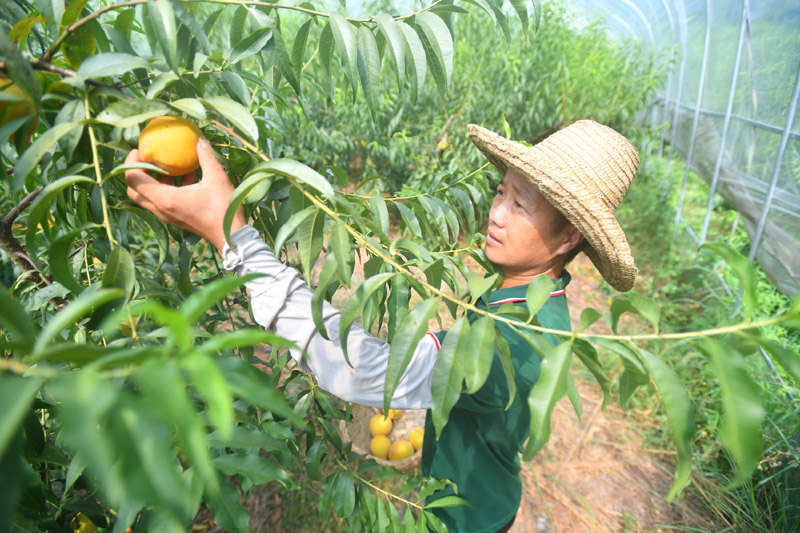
x: 607, y: 247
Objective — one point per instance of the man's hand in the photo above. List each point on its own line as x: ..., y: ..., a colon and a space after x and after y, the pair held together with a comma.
x: 198, y: 207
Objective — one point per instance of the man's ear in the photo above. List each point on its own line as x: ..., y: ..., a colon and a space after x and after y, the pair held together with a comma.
x: 571, y: 238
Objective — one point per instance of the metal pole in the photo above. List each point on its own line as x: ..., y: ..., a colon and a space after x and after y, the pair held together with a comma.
x: 668, y: 88
x: 726, y: 122
x: 700, y: 89
x: 776, y: 171
x: 683, y: 40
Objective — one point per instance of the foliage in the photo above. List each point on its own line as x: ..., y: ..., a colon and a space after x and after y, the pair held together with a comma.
x: 130, y: 393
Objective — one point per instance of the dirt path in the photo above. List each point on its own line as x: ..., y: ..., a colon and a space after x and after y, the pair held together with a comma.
x: 598, y: 475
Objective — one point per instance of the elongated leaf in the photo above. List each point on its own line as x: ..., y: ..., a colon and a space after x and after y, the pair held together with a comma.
x: 191, y: 106
x: 201, y: 301
x: 588, y: 356
x: 788, y: 359
x: 46, y: 142
x: 618, y: 307
x: 42, y: 205
x: 110, y: 64
x: 438, y: 43
x: 397, y: 44
x: 244, y: 437
x: 71, y: 314
x: 228, y: 510
x: 408, y: 335
x: 163, y: 20
x: 309, y: 241
x: 537, y: 14
x: 409, y: 218
x: 369, y: 67
x: 344, y: 494
x: 551, y: 387
x: 58, y: 260
x: 680, y: 414
x: 212, y: 387
x: 345, y: 39
x: 504, y: 355
x: 285, y: 62
x: 574, y: 397
x: 252, y: 467
x: 251, y: 45
x: 73, y: 111
x: 318, y: 300
x: 538, y: 293
x: 355, y: 306
x: 478, y: 360
x: 240, y: 338
x: 18, y: 67
x: 447, y: 501
x: 647, y: 308
x: 120, y: 271
x: 291, y: 225
x: 589, y: 316
x: 325, y: 50
x: 380, y: 214
x: 635, y: 373
x: 299, y: 47
x: 164, y: 389
x: 339, y: 244
x: 13, y: 318
x: 187, y: 20
x: 16, y: 395
x: 236, y: 113
x: 448, y: 375
x: 126, y: 113
x: 521, y: 7
x: 744, y: 413
x: 416, y: 58
x: 253, y: 386
x: 743, y: 270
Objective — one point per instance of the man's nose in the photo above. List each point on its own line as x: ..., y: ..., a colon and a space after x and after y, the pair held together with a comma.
x: 497, y: 214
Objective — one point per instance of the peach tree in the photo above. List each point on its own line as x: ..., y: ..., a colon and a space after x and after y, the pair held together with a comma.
x: 135, y: 388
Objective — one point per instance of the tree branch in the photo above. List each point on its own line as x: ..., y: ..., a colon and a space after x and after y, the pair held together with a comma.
x: 21, y: 206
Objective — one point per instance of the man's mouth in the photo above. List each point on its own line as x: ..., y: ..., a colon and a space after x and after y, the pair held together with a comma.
x: 491, y: 240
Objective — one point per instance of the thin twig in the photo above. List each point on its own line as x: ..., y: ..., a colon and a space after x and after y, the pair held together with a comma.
x: 21, y: 206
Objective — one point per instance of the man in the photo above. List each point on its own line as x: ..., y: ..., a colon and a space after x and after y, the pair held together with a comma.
x: 556, y: 198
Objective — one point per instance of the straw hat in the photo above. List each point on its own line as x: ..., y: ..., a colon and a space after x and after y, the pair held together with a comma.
x: 584, y: 171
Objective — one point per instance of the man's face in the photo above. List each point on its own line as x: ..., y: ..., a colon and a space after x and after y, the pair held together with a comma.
x: 526, y: 233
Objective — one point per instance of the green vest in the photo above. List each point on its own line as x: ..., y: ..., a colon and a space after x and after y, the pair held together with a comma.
x: 480, y: 445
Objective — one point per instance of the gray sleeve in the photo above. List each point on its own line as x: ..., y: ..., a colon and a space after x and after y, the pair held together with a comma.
x: 281, y: 302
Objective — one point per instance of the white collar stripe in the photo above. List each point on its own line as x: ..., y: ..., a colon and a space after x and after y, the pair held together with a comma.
x: 514, y: 300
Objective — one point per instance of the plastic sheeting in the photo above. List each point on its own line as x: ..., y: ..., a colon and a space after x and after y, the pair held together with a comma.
x: 740, y: 133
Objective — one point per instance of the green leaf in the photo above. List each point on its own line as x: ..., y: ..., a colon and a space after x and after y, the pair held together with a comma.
x: 164, y: 389
x: 398, y: 304
x: 588, y: 356
x: 355, y: 306
x: 244, y: 437
x: 478, y: 360
x: 13, y: 318
x: 551, y: 387
x: 743, y: 269
x: 740, y: 430
x: 120, y: 271
x: 504, y: 354
x: 619, y: 306
x: 18, y: 67
x: 647, y: 308
x: 110, y: 64
x: 574, y: 397
x: 538, y: 293
x: 36, y: 151
x: 201, y: 301
x: 16, y: 395
x: 448, y: 376
x: 291, y: 225
x: 255, y: 387
x: 163, y: 20
x: 521, y: 7
x: 380, y: 214
x: 250, y: 466
x: 42, y: 205
x: 438, y: 43
x: 447, y: 501
x: 589, y: 316
x: 479, y: 284
x: 408, y: 335
x: 212, y: 387
x: 369, y: 67
x: 299, y: 48
x: 397, y: 44
x: 344, y: 494
x: 313, y: 459
x: 228, y: 511
x: 285, y: 62
x: 339, y: 244
x: 73, y: 111
x: 309, y: 241
x: 345, y: 40
x: 537, y: 14
x: 325, y: 50
x: 251, y: 45
x: 242, y: 337
x: 318, y: 299
x: 635, y: 373
x: 187, y: 20
x: 416, y: 58
x: 72, y: 313
x: 127, y: 113
x: 58, y: 258
x: 788, y: 359
x: 680, y: 414
x: 191, y: 106
x: 236, y: 113
x: 410, y: 219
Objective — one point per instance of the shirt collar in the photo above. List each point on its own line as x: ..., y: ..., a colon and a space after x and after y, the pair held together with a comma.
x: 517, y: 293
